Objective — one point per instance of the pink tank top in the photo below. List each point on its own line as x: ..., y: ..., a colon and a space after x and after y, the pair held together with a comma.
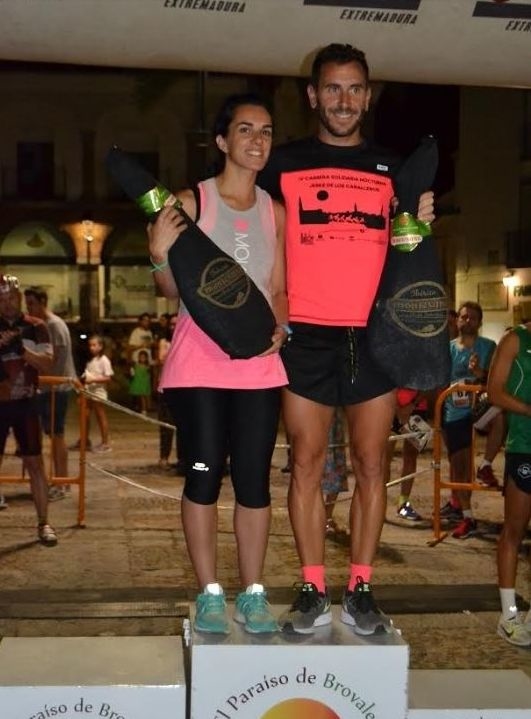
x: 194, y: 360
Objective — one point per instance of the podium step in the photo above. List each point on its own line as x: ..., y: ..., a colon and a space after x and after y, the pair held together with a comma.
x: 106, y: 677
x: 332, y: 673
x: 469, y: 694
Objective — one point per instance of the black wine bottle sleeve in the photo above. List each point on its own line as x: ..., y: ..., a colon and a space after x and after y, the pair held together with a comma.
x: 408, y: 326
x: 220, y: 297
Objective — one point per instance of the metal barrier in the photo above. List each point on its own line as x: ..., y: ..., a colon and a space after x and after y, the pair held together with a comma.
x: 79, y: 478
x: 438, y: 483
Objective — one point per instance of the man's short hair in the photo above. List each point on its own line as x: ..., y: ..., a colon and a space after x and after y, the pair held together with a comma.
x: 470, y: 305
x: 38, y: 292
x: 339, y: 54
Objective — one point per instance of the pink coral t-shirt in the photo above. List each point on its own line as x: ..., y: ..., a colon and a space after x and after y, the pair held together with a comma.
x: 337, y: 234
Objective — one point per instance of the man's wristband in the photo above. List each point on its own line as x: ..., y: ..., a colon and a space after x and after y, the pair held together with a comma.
x: 287, y: 329
x: 158, y: 267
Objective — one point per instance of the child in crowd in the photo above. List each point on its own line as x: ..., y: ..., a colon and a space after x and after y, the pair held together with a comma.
x: 97, y: 375
x: 140, y: 385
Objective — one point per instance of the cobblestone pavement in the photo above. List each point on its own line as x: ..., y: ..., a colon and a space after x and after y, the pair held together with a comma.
x: 133, y: 541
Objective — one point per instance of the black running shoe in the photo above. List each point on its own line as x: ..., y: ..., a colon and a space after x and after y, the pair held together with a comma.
x: 361, y: 612
x: 310, y: 609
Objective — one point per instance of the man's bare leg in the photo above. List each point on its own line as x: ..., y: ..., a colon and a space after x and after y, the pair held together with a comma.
x: 369, y: 424
x: 307, y: 424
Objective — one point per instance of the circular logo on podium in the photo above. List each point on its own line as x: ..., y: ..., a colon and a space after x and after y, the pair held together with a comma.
x: 224, y: 283
x: 300, y: 709
x: 421, y: 309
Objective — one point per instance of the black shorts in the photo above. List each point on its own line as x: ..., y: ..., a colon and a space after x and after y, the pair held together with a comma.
x: 518, y: 468
x: 458, y: 434
x: 332, y: 365
x: 22, y: 416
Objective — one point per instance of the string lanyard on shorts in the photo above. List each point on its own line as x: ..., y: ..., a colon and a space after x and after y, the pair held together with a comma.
x: 352, y: 354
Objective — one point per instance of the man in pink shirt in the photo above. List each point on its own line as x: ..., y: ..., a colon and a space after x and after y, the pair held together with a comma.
x: 338, y: 192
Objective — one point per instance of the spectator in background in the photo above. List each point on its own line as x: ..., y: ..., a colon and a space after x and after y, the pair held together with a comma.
x: 96, y: 377
x: 164, y: 324
x: 408, y: 402
x: 165, y: 434
x: 63, y: 366
x: 471, y: 356
x: 141, y: 338
x: 140, y: 384
x: 25, y: 351
x: 509, y: 387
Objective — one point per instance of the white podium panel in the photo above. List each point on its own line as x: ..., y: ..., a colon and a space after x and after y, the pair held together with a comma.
x: 104, y: 677
x: 469, y: 694
x: 328, y: 675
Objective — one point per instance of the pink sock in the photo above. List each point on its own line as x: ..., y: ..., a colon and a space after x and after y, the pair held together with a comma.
x: 359, y: 570
x: 315, y: 573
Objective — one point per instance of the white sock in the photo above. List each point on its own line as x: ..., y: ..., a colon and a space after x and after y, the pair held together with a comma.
x: 213, y: 588
x: 485, y: 463
x: 255, y: 589
x: 508, y: 602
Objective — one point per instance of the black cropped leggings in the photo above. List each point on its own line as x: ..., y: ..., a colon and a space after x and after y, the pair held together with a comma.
x: 216, y: 423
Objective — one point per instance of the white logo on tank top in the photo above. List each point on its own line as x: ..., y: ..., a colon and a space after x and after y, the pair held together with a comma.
x: 242, y: 249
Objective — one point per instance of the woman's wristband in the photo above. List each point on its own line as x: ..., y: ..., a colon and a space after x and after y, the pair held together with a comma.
x: 158, y: 266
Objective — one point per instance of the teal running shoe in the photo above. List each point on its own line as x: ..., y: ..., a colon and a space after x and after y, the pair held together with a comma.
x: 253, y: 611
x: 211, y: 611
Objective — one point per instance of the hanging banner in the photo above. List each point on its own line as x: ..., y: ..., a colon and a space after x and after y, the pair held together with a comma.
x: 466, y: 42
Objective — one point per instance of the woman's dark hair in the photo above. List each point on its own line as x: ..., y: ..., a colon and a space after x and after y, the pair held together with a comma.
x: 227, y: 110
x: 338, y: 54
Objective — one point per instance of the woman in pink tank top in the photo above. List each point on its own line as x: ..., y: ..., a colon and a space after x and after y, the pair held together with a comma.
x: 225, y: 407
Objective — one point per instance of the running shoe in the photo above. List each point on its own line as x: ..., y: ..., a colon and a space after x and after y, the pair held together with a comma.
x: 487, y: 478
x: 406, y: 511
x: 451, y: 513
x: 514, y: 631
x: 211, y: 611
x: 47, y: 535
x: 102, y: 448
x: 253, y: 611
x: 361, y: 612
x: 56, y: 492
x: 310, y: 609
x: 331, y: 528
x: 467, y: 528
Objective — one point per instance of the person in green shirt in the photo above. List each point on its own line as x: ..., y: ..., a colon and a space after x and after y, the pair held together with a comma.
x: 509, y: 387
